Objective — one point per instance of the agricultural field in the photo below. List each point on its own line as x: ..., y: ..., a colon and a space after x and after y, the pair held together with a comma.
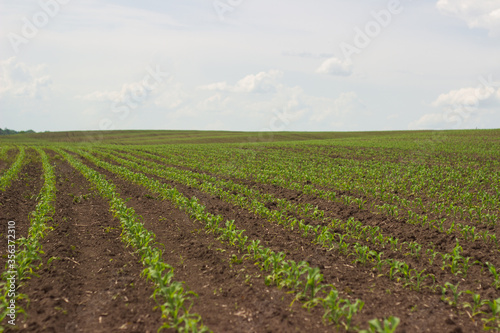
x: 223, y: 232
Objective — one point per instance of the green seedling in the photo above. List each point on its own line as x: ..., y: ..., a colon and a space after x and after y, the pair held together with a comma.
x: 496, y: 275
x: 476, y: 304
x: 493, y: 322
x: 455, y: 293
x: 388, y: 325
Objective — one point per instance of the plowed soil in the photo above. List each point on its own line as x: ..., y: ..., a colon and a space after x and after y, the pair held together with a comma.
x: 93, y: 281
x: 7, y: 159
x: 421, y: 311
x: 94, y: 284
x: 18, y: 201
x: 231, y: 298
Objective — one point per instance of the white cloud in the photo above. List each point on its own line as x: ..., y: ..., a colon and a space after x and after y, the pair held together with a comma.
x: 464, y: 97
x: 476, y: 13
x: 117, y: 96
x: 263, y: 82
x: 20, y: 80
x: 282, y: 108
x: 94, y: 60
x: 335, y: 66
x: 346, y: 104
x: 454, y: 120
x: 168, y: 94
x: 172, y: 96
x: 461, y: 108
x: 430, y: 121
x: 215, y: 103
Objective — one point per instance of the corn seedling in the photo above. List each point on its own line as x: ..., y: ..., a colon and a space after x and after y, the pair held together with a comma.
x: 476, y: 304
x: 388, y: 325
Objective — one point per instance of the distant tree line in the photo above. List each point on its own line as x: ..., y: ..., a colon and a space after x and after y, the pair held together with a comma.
x: 7, y: 131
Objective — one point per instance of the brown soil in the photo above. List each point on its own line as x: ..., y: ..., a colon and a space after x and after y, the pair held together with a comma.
x: 18, y: 201
x: 231, y: 298
x: 405, y: 232
x: 95, y: 284
x: 397, y: 228
x: 8, y: 159
x: 419, y: 311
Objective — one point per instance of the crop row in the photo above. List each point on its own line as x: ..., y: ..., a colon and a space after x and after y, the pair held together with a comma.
x: 24, y: 254
x: 454, y: 261
x: 255, y: 201
x: 392, y: 183
x: 301, y: 278
x: 3, y: 152
x: 404, y: 211
x: 174, y: 301
x: 12, y: 172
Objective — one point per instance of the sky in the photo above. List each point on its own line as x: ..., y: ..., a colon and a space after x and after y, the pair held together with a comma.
x: 249, y: 65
